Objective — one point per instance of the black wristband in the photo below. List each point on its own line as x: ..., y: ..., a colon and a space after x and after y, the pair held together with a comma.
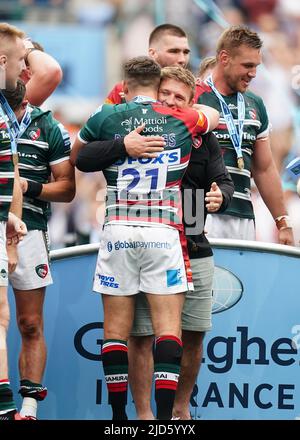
x: 34, y: 189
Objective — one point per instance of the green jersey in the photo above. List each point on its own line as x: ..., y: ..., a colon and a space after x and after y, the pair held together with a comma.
x: 6, y: 170
x: 146, y: 191
x: 44, y: 143
x: 256, y: 126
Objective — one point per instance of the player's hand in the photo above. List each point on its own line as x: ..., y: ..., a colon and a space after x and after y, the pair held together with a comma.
x: 15, y: 229
x: 286, y: 236
x: 24, y: 184
x: 214, y: 198
x: 143, y: 146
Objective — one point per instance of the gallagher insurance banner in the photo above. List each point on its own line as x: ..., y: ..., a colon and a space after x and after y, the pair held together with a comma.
x: 251, y: 364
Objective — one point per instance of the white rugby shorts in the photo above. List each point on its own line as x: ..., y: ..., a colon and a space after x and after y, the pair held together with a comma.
x: 136, y: 258
x: 3, y: 256
x: 33, y: 269
x: 229, y: 226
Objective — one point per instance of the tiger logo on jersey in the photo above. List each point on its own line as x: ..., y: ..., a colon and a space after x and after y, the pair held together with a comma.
x: 35, y: 134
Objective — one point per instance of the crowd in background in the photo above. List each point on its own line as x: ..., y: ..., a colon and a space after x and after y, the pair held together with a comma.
x: 128, y: 25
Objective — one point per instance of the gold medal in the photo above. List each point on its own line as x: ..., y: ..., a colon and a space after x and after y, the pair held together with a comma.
x: 240, y: 163
x: 15, y: 159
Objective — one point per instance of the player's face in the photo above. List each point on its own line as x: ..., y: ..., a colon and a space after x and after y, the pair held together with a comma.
x: 15, y: 63
x: 240, y: 68
x: 171, y: 51
x: 175, y: 94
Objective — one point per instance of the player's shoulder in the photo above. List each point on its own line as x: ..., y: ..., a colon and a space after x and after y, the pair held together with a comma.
x: 37, y: 112
x: 201, y: 88
x: 116, y: 94
x: 253, y: 97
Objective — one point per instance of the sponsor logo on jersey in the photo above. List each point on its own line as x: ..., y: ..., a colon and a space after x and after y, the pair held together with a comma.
x: 232, y: 106
x: 108, y: 281
x: 226, y: 136
x: 252, y: 114
x: 4, y: 134
x: 35, y: 134
x: 30, y: 156
x: 152, y: 125
x: 127, y: 125
x: 3, y: 274
x: 42, y: 270
x: 166, y: 157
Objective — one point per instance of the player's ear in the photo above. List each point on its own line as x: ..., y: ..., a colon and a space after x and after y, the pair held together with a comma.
x: 151, y: 52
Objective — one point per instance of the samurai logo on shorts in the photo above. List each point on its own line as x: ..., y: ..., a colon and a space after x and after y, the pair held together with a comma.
x: 3, y: 274
x: 42, y: 270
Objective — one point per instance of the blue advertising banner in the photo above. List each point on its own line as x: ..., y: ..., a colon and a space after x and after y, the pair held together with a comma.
x: 251, y: 361
x: 81, y: 53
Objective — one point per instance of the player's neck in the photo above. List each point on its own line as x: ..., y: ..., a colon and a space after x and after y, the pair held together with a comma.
x: 150, y: 93
x: 20, y: 113
x: 220, y: 83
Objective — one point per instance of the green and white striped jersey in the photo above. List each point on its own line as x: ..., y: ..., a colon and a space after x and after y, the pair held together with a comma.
x: 45, y: 143
x: 6, y: 171
x: 146, y: 191
x: 256, y: 126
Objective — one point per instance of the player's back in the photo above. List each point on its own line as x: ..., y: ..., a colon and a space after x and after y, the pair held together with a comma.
x: 151, y: 184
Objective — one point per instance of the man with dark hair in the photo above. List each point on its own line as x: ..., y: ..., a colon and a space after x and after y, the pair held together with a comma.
x: 243, y: 134
x: 46, y: 176
x: 206, y: 171
x: 168, y: 46
x: 146, y: 204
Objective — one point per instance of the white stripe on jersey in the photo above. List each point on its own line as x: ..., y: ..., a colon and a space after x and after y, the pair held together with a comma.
x: 31, y: 207
x: 63, y: 159
x: 24, y: 166
x: 39, y: 144
x: 5, y: 198
x: 254, y: 122
x: 5, y: 152
x: 245, y: 150
x: 239, y: 195
x: 7, y: 175
x: 238, y: 171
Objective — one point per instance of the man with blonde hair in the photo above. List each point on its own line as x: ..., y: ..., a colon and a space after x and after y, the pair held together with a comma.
x: 206, y: 171
x: 243, y: 134
x: 12, y: 52
x: 154, y: 267
x: 206, y: 67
